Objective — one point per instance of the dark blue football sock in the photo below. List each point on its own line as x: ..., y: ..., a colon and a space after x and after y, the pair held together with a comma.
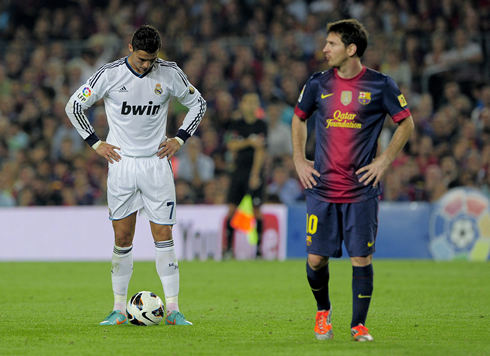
x: 319, y: 285
x: 362, y: 290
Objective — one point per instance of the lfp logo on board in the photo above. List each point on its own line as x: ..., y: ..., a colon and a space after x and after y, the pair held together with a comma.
x: 460, y: 226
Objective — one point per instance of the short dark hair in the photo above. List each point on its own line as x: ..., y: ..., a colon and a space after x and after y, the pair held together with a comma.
x: 146, y: 38
x: 351, y: 31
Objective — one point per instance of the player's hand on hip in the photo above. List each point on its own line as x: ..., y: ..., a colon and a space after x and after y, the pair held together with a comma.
x: 306, y: 172
x: 108, y: 151
x: 373, y: 172
x: 168, y: 148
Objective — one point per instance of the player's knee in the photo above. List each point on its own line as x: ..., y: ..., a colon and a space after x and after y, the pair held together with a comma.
x: 162, y: 233
x: 361, y: 261
x: 316, y: 262
x: 123, y: 241
x: 123, y: 238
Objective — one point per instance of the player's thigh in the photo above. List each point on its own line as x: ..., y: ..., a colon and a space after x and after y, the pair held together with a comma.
x: 123, y: 197
x: 238, y: 187
x: 360, y: 222
x: 161, y: 232
x: 156, y: 183
x: 124, y: 230
x: 258, y: 195
x: 323, y: 228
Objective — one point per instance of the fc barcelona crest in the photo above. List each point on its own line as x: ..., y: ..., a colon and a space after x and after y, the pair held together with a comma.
x: 346, y: 97
x: 364, y: 97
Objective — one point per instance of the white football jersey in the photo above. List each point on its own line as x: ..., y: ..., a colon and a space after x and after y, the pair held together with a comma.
x: 136, y: 105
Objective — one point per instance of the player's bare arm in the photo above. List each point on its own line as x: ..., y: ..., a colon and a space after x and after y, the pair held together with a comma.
x: 109, y: 152
x: 375, y: 171
x: 304, y: 167
x: 168, y: 148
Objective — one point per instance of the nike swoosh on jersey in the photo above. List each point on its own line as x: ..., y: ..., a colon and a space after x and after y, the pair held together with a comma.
x: 326, y: 95
x: 370, y: 244
x: 363, y: 296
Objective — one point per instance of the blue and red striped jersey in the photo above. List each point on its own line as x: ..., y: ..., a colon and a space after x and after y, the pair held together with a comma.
x: 349, y: 115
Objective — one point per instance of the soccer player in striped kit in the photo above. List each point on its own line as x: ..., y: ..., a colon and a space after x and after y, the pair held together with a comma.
x: 349, y: 103
x: 137, y: 90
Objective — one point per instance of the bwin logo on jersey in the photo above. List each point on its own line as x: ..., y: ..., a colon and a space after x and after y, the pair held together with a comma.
x: 149, y: 109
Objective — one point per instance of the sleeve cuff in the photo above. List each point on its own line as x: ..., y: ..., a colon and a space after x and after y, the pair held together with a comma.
x: 92, y: 139
x: 402, y: 115
x: 300, y: 113
x: 183, y: 135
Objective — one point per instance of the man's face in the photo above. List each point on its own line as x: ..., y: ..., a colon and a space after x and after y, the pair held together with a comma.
x: 141, y: 61
x: 250, y: 103
x: 335, y: 51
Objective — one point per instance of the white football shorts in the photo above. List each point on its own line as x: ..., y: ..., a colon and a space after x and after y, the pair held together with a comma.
x: 144, y: 184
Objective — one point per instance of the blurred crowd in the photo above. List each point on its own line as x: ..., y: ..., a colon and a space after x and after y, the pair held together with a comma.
x: 437, y: 52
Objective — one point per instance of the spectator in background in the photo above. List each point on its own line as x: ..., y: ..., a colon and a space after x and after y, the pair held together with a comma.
x: 449, y: 170
x: 17, y: 139
x: 426, y: 155
x: 283, y: 188
x: 423, y: 114
x: 395, y: 189
x: 414, y: 55
x: 5, y: 82
x: 485, y: 120
x: 66, y: 132
x: 481, y: 106
x: 437, y: 55
x: 194, y: 166
x: 214, y: 193
x: 396, y: 68
x: 223, y: 110
x: 467, y: 54
x: 434, y: 184
x: 279, y: 138
x: 7, y: 199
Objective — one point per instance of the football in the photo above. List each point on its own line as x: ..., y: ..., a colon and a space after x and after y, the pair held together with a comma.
x: 145, y: 308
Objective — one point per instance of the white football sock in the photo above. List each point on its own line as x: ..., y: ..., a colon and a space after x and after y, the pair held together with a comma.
x: 168, y: 271
x: 122, y: 269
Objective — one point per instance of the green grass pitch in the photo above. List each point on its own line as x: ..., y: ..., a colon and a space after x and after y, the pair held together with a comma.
x: 247, y: 308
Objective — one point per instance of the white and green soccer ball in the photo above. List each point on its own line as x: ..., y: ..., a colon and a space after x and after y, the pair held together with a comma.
x: 145, y: 309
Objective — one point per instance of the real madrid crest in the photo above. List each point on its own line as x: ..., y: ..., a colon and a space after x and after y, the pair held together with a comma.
x: 158, y: 89
x: 192, y: 90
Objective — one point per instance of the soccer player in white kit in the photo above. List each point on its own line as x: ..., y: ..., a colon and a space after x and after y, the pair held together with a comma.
x: 136, y: 92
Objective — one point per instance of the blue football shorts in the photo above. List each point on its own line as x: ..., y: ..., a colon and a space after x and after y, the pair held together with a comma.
x: 330, y: 224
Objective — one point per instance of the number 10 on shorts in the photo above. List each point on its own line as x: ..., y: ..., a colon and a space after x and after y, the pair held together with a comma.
x: 311, y: 224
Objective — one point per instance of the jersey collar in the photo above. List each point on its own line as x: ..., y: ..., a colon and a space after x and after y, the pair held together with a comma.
x: 135, y: 72
x: 353, y: 78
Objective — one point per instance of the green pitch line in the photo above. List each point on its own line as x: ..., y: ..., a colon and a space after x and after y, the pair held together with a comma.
x: 247, y: 308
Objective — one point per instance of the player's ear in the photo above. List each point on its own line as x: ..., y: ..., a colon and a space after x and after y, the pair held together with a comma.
x: 351, y: 50
x: 130, y: 48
